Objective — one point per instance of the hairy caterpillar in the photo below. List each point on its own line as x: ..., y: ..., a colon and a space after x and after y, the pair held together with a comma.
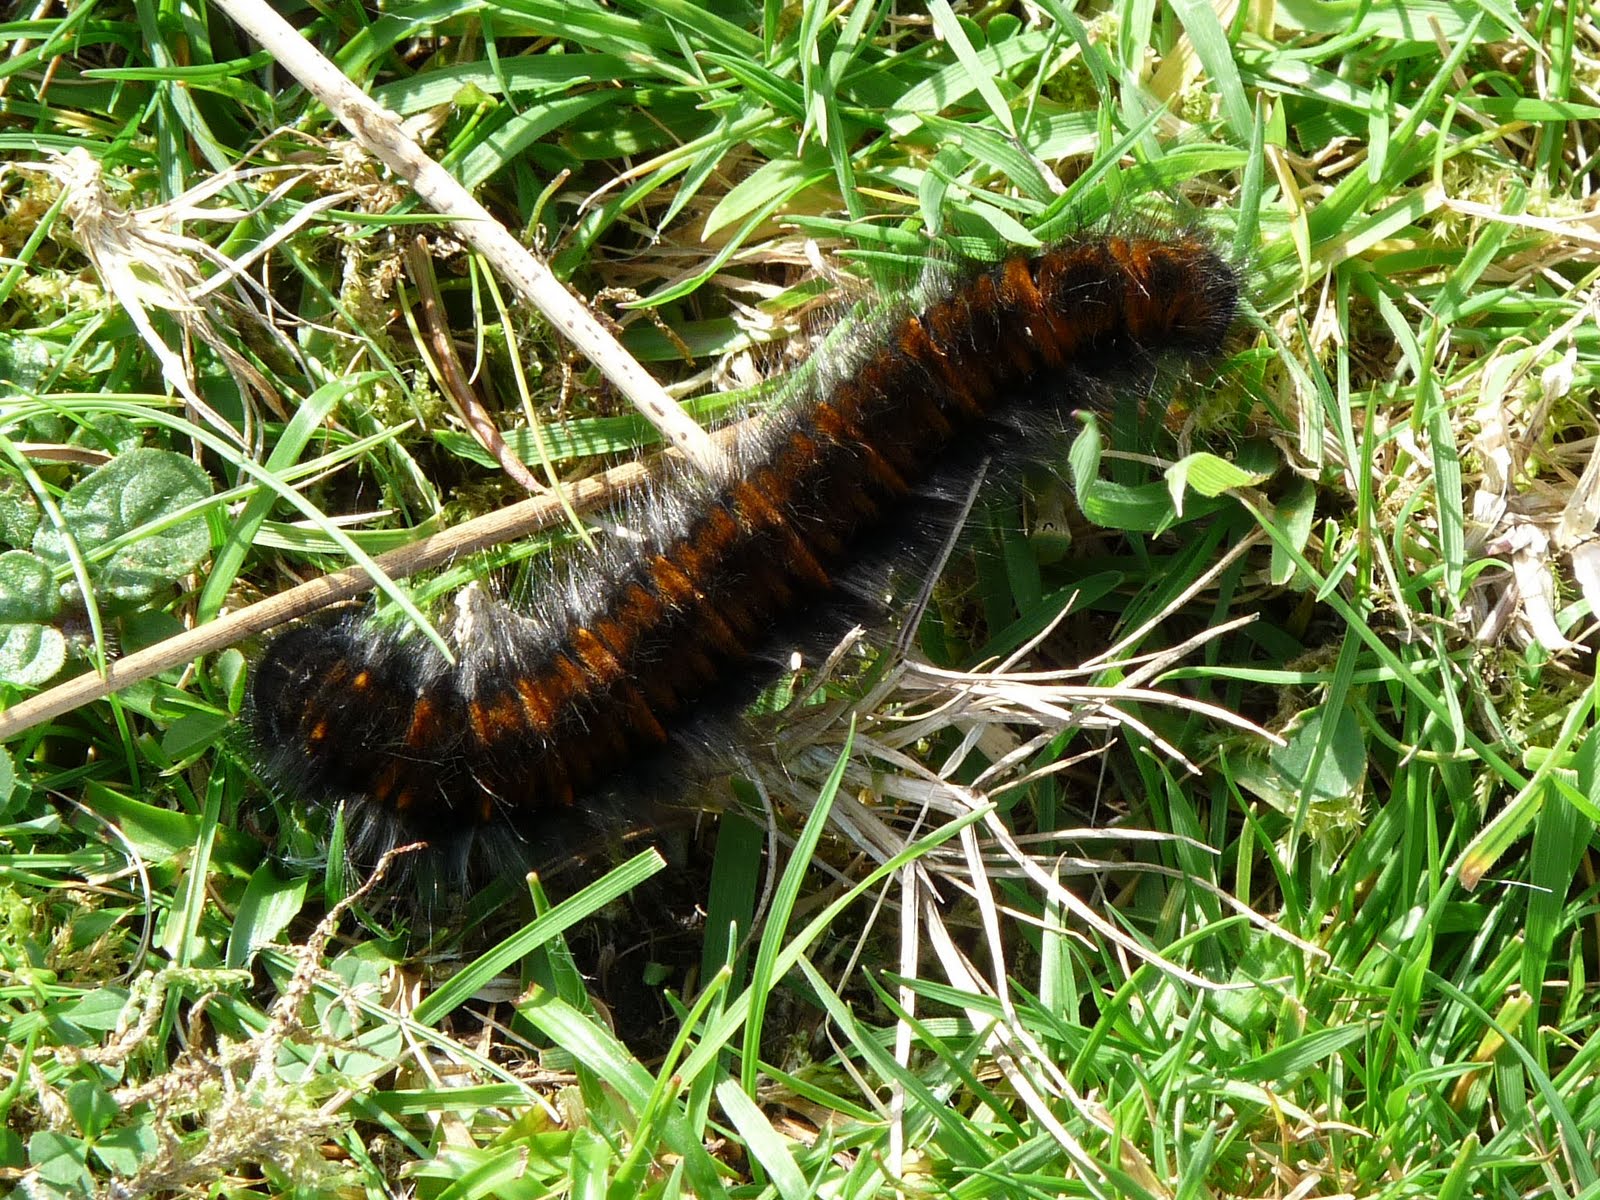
x: 581, y: 710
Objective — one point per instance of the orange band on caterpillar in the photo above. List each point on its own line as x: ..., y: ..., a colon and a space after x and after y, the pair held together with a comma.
x: 570, y: 712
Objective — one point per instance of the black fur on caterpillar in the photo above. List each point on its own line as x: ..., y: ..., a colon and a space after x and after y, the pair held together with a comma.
x: 588, y: 709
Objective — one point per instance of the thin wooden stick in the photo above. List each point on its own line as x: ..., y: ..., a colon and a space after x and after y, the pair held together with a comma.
x: 380, y: 132
x: 505, y: 524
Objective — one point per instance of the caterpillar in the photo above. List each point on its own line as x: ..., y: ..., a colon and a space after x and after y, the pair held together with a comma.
x: 586, y: 708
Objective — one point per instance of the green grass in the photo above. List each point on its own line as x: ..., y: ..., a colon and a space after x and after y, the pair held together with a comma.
x: 1358, y: 963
